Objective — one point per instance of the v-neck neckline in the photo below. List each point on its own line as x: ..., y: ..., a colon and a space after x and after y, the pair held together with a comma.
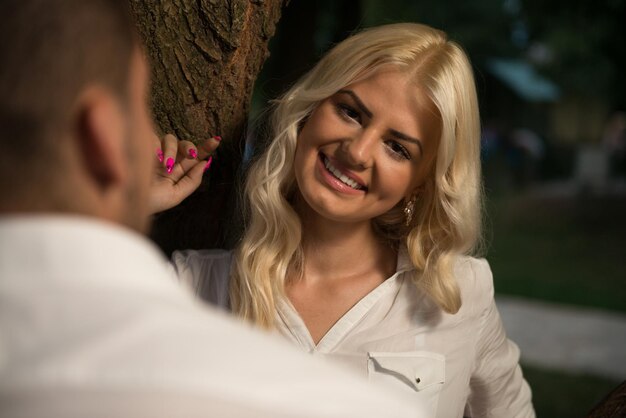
x: 298, y: 329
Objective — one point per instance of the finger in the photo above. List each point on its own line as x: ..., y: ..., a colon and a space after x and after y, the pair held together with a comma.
x: 158, y: 147
x: 207, y: 147
x: 181, y: 169
x: 187, y: 149
x: 190, y: 181
x: 170, y: 149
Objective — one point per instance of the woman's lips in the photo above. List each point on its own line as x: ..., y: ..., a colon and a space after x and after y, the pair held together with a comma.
x: 339, y: 178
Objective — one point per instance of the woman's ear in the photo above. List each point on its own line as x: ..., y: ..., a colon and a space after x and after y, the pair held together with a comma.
x: 100, y: 132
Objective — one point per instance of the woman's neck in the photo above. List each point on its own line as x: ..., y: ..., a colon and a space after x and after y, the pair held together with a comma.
x: 336, y: 250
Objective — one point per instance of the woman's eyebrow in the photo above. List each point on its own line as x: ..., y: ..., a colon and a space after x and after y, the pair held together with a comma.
x: 358, y: 101
x: 405, y: 137
x: 369, y: 114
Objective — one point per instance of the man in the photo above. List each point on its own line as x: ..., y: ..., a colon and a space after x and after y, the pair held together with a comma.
x: 91, y: 322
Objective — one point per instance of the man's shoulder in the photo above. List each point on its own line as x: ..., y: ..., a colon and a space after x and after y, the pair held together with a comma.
x: 135, y: 343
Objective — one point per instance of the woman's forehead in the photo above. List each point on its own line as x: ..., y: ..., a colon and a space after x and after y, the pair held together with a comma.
x: 393, y: 85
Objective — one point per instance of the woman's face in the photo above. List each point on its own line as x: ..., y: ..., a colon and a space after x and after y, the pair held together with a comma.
x: 367, y: 147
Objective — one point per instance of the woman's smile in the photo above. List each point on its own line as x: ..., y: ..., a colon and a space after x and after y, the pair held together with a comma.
x: 366, y: 148
x: 338, y: 177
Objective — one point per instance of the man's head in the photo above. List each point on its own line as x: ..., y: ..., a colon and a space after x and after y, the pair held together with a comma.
x: 74, y: 126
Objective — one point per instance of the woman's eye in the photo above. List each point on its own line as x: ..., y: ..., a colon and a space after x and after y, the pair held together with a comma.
x: 398, y: 150
x: 348, y: 112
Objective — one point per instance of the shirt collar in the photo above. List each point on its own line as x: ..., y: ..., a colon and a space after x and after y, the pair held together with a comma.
x: 404, y: 262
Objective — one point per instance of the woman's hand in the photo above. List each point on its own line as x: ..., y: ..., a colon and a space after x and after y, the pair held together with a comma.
x: 180, y: 167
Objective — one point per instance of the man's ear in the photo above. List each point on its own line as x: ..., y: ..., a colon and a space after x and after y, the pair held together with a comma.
x: 100, y: 132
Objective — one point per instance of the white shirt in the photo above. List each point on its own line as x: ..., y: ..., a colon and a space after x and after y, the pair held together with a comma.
x: 93, y: 324
x: 396, y: 334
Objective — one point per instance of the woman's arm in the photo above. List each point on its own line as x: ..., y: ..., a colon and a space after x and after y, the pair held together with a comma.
x: 206, y: 273
x: 497, y: 387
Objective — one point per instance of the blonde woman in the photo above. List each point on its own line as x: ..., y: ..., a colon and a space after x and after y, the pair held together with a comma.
x: 363, y: 215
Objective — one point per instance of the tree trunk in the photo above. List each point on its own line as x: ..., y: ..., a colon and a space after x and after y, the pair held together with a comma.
x: 205, y: 56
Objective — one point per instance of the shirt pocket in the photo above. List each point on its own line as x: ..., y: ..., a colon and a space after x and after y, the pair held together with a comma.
x: 419, y: 374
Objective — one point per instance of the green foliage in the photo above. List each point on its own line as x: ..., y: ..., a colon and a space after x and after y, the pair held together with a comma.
x: 567, y: 250
x: 585, y: 41
x: 565, y: 395
x: 588, y: 42
x: 482, y: 27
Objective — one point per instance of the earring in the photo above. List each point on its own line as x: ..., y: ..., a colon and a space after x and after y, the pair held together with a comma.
x: 408, y: 211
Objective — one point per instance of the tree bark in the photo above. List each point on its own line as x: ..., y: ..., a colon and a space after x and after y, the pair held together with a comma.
x: 205, y: 56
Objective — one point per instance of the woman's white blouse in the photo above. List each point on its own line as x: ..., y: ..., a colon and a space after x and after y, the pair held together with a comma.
x: 459, y: 365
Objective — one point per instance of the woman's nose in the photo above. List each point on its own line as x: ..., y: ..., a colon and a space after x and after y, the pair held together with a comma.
x: 359, y: 149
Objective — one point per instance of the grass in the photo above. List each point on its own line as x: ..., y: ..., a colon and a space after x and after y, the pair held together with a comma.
x: 567, y: 250
x: 561, y: 395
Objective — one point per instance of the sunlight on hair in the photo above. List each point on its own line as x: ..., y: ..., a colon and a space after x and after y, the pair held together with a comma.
x: 448, y: 210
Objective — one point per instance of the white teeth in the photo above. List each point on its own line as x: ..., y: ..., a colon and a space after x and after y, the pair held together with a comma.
x: 339, y: 175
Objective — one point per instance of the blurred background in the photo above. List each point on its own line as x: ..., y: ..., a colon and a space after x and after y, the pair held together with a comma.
x: 551, y: 83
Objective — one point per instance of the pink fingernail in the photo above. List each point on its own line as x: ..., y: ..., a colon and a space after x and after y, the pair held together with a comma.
x: 169, y: 165
x: 208, y: 164
x: 217, y: 138
x: 160, y: 155
x: 193, y: 153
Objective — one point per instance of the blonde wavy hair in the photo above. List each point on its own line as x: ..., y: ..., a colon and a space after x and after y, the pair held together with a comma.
x: 447, y: 220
